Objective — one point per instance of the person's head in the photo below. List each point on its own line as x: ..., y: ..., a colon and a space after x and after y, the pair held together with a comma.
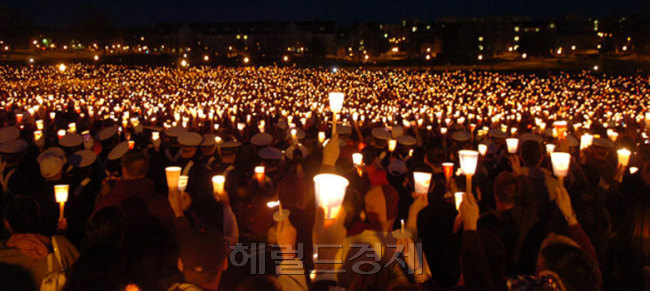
x: 506, y: 190
x: 636, y: 228
x: 135, y: 165
x: 531, y: 153
x: 260, y: 282
x: 203, y: 257
x: 381, y: 206
x: 22, y: 215
x: 107, y: 224
x: 563, y: 259
x: 434, y: 157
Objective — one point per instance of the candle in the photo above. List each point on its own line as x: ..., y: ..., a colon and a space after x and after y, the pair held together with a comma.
x: 458, y: 198
x: 218, y: 183
x: 336, y: 101
x: 550, y: 148
x: 19, y: 118
x: 182, y: 182
x: 633, y: 170
x: 61, y: 197
x: 448, y: 169
x: 623, y: 157
x: 172, y: 174
x: 586, y: 140
x: 39, y: 124
x: 259, y: 173
x: 468, y: 161
x: 52, y: 115
x: 391, y: 145
x: 512, y: 144
x: 272, y: 204
x: 72, y: 127
x: 60, y: 133
x: 560, y: 162
x: 330, y: 190
x: 37, y: 135
x: 155, y: 135
x: 482, y: 149
x: 131, y: 144
x: 321, y: 137
x: 560, y: 127
x: 357, y: 159
x: 422, y: 181
x: 443, y: 130
x: 402, y: 228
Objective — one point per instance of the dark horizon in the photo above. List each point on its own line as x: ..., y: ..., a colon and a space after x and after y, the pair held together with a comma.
x: 123, y: 13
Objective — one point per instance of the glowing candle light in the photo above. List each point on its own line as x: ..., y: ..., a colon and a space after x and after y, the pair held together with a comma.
x: 182, y: 182
x: 39, y: 124
x: 402, y: 226
x: 513, y: 144
x: 321, y: 137
x: 391, y: 145
x: 218, y: 183
x: 19, y: 117
x: 336, y: 101
x: 586, y: 140
x: 131, y: 144
x: 482, y: 149
x: 623, y: 157
x: 458, y: 199
x: 37, y: 135
x: 61, y: 133
x: 172, y: 175
x: 330, y: 190
x: 633, y: 170
x: 422, y: 181
x: 443, y: 130
x: 448, y: 169
x: 550, y: 148
x: 560, y: 127
x: 155, y: 135
x: 61, y: 197
x: 357, y: 159
x: 468, y: 161
x: 560, y: 162
x: 259, y: 173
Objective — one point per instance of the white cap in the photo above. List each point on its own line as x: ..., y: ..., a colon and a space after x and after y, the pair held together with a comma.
x: 118, y: 151
x: 270, y: 153
x: 175, y: 131
x: 71, y: 140
x: 14, y: 146
x: 397, y: 131
x: 380, y: 133
x: 262, y: 139
x: 106, y: 133
x: 289, y: 151
x: 229, y: 144
x: 50, y: 166
x: 190, y: 139
x: 53, y: 151
x: 496, y: 132
x: 461, y: 136
x: 82, y: 158
x: 397, y: 167
x: 406, y: 140
x: 209, y: 140
x: 8, y: 134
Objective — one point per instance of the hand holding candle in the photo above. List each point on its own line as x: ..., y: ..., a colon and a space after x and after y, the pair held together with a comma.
x: 330, y: 190
x: 468, y: 162
x: 218, y: 183
x: 623, y: 157
x: 560, y: 162
x: 422, y: 182
x: 173, y: 175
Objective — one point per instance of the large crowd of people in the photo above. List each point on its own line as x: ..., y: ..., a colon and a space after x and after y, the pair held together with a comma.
x: 90, y: 155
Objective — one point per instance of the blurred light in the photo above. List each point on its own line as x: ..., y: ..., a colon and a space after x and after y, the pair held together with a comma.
x: 62, y: 67
x: 624, y: 48
x: 184, y: 63
x: 395, y: 49
x: 480, y: 57
x: 573, y: 47
x: 524, y: 55
x: 31, y: 60
x: 206, y: 58
x: 285, y: 58
x: 96, y: 57
x: 596, y: 68
x: 246, y: 60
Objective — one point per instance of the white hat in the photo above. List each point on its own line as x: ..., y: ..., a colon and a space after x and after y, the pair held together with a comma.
x: 51, y: 166
x: 209, y: 140
x: 496, y: 132
x: 118, y: 151
x: 603, y: 143
x: 175, y: 131
x: 406, y: 140
x: 8, y: 134
x: 82, y: 158
x: 229, y: 144
x: 190, y: 139
x: 397, y: 131
x: 530, y: 136
x: 71, y: 140
x: 270, y: 153
x: 461, y: 136
x: 53, y: 151
x: 397, y: 167
x: 14, y: 146
x: 106, y: 133
x: 262, y: 139
x: 289, y: 151
x: 343, y: 129
x: 380, y: 133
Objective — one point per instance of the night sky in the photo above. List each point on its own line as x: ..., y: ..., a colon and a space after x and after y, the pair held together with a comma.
x: 142, y: 12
